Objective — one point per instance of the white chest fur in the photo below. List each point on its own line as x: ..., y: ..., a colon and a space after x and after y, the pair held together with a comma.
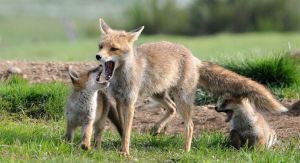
x: 83, y: 105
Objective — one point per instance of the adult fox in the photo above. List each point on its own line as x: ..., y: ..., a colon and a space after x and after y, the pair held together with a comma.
x: 159, y: 69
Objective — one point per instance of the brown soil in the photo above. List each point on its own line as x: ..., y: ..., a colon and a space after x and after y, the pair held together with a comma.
x: 287, y: 125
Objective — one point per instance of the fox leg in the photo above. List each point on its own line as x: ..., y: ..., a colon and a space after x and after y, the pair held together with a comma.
x: 87, y: 130
x: 70, y: 130
x: 165, y: 100
x: 120, y: 110
x: 127, y: 117
x: 272, y: 139
x: 99, y: 127
x: 235, y: 139
x: 184, y: 107
x: 259, y: 142
x: 114, y: 118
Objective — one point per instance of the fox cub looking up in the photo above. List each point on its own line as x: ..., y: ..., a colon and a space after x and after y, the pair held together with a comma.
x: 248, y: 127
x: 88, y: 107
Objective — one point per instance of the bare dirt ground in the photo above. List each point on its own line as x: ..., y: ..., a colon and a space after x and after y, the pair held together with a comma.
x: 287, y: 125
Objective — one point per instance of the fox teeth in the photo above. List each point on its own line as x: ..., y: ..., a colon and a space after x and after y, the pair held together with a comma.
x: 107, y: 78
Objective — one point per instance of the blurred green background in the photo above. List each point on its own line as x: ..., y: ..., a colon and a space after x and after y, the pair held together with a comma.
x: 213, y: 29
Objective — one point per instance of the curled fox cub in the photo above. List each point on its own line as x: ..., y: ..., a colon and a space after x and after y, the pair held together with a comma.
x: 88, y: 107
x: 248, y: 127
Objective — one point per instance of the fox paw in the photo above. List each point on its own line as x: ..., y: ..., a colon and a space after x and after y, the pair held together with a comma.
x: 156, y: 130
x: 125, y: 154
x: 97, y: 145
x: 85, y: 147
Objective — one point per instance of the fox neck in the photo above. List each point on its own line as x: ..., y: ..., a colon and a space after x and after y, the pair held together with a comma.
x: 246, y: 113
x: 87, y: 99
x: 126, y: 82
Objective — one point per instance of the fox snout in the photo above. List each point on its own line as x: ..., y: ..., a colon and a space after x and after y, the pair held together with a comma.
x: 219, y: 109
x: 216, y: 108
x: 98, y: 57
x: 105, y: 58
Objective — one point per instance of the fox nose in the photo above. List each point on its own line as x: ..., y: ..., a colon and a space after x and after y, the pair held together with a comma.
x: 98, y: 57
x: 216, y: 108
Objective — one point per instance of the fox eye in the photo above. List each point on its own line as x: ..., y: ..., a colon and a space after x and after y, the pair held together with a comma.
x: 100, y: 46
x: 113, y: 49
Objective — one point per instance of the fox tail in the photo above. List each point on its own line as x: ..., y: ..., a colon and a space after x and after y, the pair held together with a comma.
x: 219, y: 80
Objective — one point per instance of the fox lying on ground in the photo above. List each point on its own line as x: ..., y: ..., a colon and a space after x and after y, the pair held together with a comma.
x: 88, y: 107
x: 248, y: 127
x: 162, y: 69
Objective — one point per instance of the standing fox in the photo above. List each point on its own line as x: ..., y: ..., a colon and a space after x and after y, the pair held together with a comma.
x: 159, y: 69
x: 88, y: 107
x: 248, y: 127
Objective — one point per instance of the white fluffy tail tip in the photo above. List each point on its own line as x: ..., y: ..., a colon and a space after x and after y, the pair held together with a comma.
x: 282, y: 109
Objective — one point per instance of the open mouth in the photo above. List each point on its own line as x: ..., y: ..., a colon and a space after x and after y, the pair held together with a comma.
x: 229, y: 114
x: 98, y: 77
x: 109, y: 69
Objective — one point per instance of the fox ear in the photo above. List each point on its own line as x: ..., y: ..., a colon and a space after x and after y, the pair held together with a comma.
x: 104, y: 27
x: 134, y: 34
x: 73, y: 75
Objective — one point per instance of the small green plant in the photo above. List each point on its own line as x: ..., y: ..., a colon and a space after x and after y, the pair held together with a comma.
x: 204, y: 97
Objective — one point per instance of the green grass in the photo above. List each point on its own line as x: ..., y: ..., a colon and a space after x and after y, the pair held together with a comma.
x: 44, y: 142
x: 218, y: 48
x: 279, y: 70
x: 46, y: 100
x: 45, y: 38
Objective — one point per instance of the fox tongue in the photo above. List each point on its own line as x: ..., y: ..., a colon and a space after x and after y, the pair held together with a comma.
x: 229, y: 116
x: 107, y: 75
x: 109, y: 68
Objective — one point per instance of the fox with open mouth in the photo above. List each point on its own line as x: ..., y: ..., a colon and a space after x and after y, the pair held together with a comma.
x: 163, y: 70
x: 89, y: 107
x: 155, y: 69
x: 248, y: 127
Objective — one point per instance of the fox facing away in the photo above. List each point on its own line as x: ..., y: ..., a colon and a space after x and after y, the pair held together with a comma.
x: 88, y: 107
x: 248, y: 127
x: 162, y: 69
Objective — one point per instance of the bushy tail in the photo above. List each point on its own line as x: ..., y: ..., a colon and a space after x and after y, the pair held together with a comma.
x: 219, y: 81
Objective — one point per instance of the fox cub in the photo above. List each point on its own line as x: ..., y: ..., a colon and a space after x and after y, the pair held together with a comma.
x: 248, y: 127
x: 88, y: 107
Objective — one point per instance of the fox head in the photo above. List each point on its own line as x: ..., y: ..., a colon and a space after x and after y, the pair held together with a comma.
x: 230, y: 104
x: 114, y: 47
x: 87, y: 80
